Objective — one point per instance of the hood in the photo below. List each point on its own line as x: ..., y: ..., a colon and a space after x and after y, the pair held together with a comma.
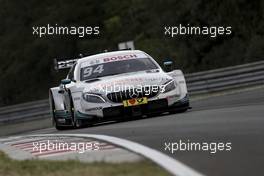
x: 126, y: 81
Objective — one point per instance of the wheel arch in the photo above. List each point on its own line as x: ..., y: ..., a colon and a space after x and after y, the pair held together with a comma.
x: 56, y: 98
x: 180, y: 79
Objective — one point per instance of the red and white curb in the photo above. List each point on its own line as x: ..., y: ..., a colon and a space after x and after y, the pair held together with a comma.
x: 173, y: 166
x: 64, y: 148
x: 27, y: 145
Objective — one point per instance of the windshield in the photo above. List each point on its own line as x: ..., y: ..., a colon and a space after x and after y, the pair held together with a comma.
x: 117, y: 67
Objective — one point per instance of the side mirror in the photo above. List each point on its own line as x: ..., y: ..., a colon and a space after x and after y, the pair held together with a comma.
x: 65, y: 81
x: 168, y: 66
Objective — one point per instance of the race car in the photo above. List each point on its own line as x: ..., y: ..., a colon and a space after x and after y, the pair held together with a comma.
x: 115, y: 85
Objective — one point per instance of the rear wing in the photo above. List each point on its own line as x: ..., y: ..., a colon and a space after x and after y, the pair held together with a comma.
x: 60, y: 64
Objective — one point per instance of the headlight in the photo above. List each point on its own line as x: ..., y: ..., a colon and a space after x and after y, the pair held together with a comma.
x: 169, y: 86
x: 93, y: 98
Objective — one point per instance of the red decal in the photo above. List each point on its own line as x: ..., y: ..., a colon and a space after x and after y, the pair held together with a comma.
x: 132, y: 101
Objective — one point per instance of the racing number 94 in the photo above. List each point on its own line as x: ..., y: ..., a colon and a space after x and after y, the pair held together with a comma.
x: 88, y: 71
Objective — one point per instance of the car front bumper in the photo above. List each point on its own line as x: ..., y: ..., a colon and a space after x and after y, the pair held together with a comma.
x: 120, y: 112
x: 152, y: 107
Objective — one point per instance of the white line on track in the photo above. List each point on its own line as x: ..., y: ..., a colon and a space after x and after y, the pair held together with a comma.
x: 173, y: 166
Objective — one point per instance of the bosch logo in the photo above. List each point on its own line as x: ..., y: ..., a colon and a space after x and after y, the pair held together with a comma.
x: 116, y: 58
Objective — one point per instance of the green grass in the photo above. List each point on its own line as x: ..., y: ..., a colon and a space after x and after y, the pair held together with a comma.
x: 10, y: 167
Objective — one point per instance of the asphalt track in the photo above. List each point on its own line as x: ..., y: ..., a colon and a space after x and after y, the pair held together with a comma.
x: 236, y: 118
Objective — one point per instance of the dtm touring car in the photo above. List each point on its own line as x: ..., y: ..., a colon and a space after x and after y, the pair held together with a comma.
x: 115, y: 85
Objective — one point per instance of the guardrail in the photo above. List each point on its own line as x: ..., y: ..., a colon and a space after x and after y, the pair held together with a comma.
x: 226, y: 78
x: 204, y: 82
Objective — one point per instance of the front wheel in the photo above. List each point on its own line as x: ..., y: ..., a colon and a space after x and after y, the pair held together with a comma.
x: 178, y: 111
x: 61, y: 127
x: 78, y: 124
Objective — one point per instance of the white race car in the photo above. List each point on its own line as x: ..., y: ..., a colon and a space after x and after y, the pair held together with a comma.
x: 115, y: 85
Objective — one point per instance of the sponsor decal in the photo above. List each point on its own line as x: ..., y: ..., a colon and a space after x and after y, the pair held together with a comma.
x: 118, y: 58
x: 135, y: 102
x: 113, y: 58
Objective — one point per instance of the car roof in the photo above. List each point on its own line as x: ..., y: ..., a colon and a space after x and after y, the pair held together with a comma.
x: 111, y: 54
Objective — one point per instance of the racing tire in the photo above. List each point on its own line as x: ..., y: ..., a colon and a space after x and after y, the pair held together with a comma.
x: 75, y: 123
x: 154, y: 115
x: 178, y: 111
x: 60, y: 128
x: 78, y: 124
x: 181, y: 110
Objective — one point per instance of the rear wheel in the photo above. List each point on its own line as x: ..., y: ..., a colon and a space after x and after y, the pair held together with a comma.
x: 52, y: 105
